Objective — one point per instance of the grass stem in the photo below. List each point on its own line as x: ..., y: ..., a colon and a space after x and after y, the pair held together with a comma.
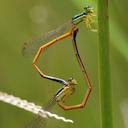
x: 104, y: 65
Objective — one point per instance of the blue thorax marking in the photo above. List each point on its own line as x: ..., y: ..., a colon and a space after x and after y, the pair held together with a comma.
x: 78, y: 15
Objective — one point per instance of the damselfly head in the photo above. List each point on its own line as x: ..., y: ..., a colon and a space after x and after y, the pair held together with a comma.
x: 88, y: 9
x: 90, y: 19
x: 72, y: 81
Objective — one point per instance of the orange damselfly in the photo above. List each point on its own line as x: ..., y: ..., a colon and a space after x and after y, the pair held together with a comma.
x: 52, y: 37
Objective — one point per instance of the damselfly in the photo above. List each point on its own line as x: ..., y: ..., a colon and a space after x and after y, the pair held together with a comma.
x: 64, y: 93
x: 59, y: 97
x: 31, y: 47
x: 58, y: 34
x: 85, y: 16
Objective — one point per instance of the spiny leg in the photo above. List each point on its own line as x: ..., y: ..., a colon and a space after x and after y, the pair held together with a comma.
x: 87, y: 81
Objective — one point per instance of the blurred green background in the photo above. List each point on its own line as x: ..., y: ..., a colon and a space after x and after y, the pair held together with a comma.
x: 22, y: 20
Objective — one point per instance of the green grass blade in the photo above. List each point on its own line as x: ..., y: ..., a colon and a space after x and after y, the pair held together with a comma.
x: 104, y: 65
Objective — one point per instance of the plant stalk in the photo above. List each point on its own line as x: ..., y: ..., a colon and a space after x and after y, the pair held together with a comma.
x: 104, y: 65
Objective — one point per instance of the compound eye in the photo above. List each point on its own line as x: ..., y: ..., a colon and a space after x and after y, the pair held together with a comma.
x: 87, y: 7
x: 70, y: 79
